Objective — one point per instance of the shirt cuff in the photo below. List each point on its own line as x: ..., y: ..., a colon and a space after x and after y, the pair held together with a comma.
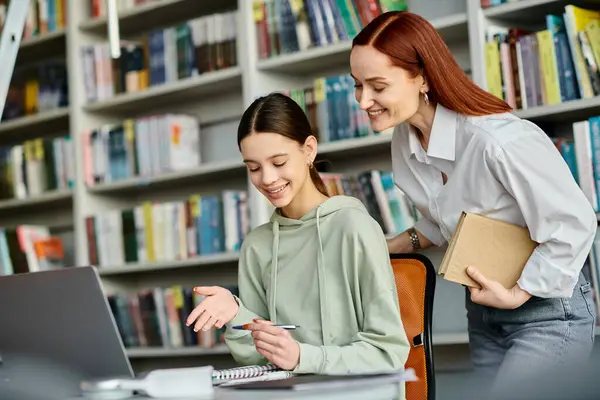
x: 311, y: 359
x: 431, y: 231
x: 543, y: 278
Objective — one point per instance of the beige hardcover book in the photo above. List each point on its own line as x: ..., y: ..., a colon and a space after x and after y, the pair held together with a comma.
x: 496, y: 248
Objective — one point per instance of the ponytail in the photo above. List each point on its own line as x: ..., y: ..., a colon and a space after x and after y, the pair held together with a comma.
x: 317, y: 181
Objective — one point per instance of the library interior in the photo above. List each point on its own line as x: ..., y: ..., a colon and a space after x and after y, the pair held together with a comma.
x: 71, y: 196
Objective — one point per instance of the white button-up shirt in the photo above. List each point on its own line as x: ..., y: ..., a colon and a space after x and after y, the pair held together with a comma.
x: 505, y: 168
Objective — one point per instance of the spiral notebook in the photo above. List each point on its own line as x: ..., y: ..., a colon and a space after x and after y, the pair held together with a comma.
x: 249, y: 373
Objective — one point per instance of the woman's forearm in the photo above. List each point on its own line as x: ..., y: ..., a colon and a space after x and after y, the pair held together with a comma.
x: 402, y: 244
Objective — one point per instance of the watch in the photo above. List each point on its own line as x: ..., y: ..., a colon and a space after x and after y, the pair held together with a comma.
x: 414, y: 239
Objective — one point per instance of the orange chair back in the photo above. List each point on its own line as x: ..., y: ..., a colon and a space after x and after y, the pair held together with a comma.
x: 415, y: 281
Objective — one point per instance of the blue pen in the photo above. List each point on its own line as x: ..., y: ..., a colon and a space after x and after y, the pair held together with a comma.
x: 282, y: 326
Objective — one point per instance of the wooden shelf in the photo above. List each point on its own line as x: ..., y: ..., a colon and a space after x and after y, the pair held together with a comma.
x: 354, y: 143
x: 205, y: 260
x: 158, y: 13
x: 440, y: 339
x: 152, y: 352
x: 208, y: 171
x: 569, y: 111
x: 530, y: 11
x: 37, y: 125
x: 52, y: 197
x: 48, y: 45
x: 180, y: 91
x: 312, y: 61
x: 309, y: 61
x: 356, y: 146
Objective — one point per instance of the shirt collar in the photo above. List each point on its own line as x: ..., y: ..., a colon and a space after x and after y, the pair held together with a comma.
x: 443, y: 135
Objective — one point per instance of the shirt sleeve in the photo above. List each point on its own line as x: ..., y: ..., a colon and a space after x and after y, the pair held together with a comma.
x: 431, y: 231
x: 557, y: 213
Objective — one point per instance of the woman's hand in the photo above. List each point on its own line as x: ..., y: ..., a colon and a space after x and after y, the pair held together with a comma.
x: 218, y: 308
x: 275, y: 344
x: 493, y: 294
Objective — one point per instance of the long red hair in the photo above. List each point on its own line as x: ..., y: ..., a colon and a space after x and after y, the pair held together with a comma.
x: 413, y: 44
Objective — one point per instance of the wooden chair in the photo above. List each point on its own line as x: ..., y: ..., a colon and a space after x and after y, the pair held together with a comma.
x: 415, y: 281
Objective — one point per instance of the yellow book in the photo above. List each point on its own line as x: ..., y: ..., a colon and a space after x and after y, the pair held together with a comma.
x: 32, y: 87
x: 60, y: 19
x: 492, y: 69
x: 593, y: 33
x: 499, y: 250
x: 576, y: 19
x: 149, y: 231
x: 549, y: 68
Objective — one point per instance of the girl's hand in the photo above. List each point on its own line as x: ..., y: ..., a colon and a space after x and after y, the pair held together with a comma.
x: 493, y: 294
x: 275, y: 344
x: 218, y: 308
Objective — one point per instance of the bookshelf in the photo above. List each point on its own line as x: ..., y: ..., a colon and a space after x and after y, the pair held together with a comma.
x: 37, y: 111
x: 216, y: 99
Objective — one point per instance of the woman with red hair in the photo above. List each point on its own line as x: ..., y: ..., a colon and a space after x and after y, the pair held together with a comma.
x: 456, y: 148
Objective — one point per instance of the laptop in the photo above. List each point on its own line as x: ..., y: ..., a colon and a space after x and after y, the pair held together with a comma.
x: 56, y: 329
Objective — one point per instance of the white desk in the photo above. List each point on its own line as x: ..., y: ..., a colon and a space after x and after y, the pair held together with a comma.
x: 388, y: 391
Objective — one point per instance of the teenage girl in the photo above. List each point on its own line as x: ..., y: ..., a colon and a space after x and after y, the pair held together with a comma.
x: 321, y: 263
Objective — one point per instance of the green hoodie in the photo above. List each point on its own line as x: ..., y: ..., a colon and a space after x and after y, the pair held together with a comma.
x: 333, y: 278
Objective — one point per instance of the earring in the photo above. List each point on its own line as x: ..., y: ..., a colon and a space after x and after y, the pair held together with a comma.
x: 311, y: 165
x: 426, y: 98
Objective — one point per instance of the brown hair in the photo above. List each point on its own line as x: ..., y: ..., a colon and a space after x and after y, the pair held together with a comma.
x: 278, y: 113
x: 414, y: 45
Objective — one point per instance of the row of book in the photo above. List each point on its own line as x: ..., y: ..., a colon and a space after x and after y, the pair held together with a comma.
x: 385, y: 202
x: 165, y: 55
x: 169, y: 231
x: 99, y: 8
x: 332, y: 110
x: 29, y: 248
x: 157, y: 318
x: 582, y: 155
x: 287, y: 26
x: 43, y: 17
x: 36, y: 166
x: 154, y: 145
x: 36, y: 90
x: 146, y: 146
x: 549, y: 66
x: 213, y: 224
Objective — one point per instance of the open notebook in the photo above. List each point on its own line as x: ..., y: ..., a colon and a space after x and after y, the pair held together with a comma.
x: 231, y: 376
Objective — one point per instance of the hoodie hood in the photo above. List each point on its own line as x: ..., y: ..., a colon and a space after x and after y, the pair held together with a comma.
x: 314, y: 217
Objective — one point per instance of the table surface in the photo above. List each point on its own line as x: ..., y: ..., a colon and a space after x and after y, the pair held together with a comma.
x: 385, y: 391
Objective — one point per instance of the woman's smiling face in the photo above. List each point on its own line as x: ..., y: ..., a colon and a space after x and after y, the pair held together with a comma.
x: 387, y: 93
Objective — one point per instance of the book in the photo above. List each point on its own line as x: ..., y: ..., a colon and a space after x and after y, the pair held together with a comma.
x: 249, y: 373
x: 498, y: 249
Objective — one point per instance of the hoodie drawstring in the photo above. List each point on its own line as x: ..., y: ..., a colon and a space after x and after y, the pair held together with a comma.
x: 274, y: 264
x: 322, y: 281
x: 322, y: 285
